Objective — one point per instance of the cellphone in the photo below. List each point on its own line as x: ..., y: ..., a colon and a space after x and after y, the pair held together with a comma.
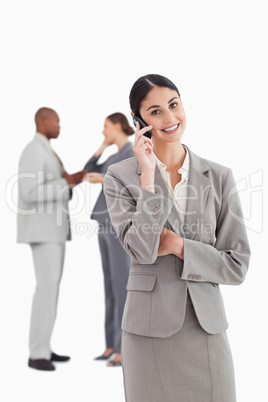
x: 142, y: 124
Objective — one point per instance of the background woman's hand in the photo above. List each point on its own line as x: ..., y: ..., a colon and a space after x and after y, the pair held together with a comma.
x: 170, y: 243
x: 94, y: 177
x: 103, y: 146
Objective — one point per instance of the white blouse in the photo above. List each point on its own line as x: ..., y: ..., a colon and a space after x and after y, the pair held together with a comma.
x: 179, y: 194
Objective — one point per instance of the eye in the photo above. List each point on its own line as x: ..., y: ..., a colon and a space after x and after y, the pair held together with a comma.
x: 173, y: 105
x: 154, y: 112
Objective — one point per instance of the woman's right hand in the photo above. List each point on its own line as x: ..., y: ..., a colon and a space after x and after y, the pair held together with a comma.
x: 143, y: 150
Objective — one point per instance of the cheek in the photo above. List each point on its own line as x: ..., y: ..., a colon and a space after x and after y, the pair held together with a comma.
x: 108, y: 136
x: 155, y: 122
x: 183, y: 116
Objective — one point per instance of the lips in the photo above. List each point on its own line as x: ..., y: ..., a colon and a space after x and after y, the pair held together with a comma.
x: 171, y: 129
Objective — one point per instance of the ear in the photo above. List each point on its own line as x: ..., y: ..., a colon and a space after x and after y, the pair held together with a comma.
x: 118, y: 126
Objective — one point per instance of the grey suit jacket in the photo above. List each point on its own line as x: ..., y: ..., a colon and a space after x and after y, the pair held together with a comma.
x: 100, y: 212
x: 43, y: 196
x: 216, y: 249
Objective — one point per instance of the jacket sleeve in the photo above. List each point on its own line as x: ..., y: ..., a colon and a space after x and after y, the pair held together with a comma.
x: 226, y: 262
x: 37, y: 186
x: 92, y: 166
x: 139, y: 222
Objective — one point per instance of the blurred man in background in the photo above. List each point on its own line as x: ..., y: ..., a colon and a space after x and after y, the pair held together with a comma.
x: 43, y: 222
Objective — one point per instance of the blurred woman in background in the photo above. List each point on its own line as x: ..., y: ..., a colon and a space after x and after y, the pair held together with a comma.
x: 115, y: 261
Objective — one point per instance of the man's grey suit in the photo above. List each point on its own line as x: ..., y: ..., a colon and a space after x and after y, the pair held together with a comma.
x: 216, y: 251
x: 43, y: 222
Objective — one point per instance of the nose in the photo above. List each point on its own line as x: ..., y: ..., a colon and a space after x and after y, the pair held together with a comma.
x: 168, y: 116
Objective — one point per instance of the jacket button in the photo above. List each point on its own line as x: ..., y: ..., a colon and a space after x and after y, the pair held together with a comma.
x: 189, y: 276
x: 198, y: 276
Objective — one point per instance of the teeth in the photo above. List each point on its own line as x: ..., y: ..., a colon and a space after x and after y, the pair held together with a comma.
x: 171, y: 128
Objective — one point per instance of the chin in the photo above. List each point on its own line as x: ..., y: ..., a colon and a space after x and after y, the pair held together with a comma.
x: 171, y: 139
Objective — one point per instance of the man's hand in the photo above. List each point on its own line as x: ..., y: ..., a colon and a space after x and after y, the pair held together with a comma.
x: 74, y: 179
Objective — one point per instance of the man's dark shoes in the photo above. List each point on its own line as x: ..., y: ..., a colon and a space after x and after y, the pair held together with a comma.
x: 57, y: 358
x: 41, y: 364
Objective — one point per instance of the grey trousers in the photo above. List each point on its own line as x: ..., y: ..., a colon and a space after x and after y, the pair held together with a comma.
x: 48, y: 265
x: 116, y: 265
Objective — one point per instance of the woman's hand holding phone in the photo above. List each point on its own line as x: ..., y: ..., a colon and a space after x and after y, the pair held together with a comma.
x: 143, y: 150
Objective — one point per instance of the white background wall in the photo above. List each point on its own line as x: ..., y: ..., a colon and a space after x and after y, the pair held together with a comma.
x: 81, y: 58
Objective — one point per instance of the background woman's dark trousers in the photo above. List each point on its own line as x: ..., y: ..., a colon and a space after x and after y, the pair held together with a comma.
x: 116, y: 265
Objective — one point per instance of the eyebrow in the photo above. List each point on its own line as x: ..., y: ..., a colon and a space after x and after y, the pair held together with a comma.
x: 153, y: 106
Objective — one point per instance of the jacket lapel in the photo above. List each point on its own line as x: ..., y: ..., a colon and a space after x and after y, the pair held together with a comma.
x: 160, y: 186
x: 197, y: 195
x: 51, y: 154
x: 198, y: 190
x: 173, y: 220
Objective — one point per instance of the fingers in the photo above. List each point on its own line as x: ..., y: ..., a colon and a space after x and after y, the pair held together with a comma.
x: 92, y: 174
x: 94, y: 177
x: 141, y: 139
x: 141, y: 142
x: 145, y: 147
x: 140, y: 132
x: 166, y: 231
x: 86, y: 176
x: 138, y: 126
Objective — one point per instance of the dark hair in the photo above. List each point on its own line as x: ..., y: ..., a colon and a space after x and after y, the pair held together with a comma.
x: 144, y: 85
x: 121, y: 118
x: 44, y: 113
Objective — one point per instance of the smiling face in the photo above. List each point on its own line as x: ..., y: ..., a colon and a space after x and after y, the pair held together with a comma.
x: 162, y: 109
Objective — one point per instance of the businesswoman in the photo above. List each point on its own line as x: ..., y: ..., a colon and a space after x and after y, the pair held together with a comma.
x: 115, y: 261
x: 179, y: 218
